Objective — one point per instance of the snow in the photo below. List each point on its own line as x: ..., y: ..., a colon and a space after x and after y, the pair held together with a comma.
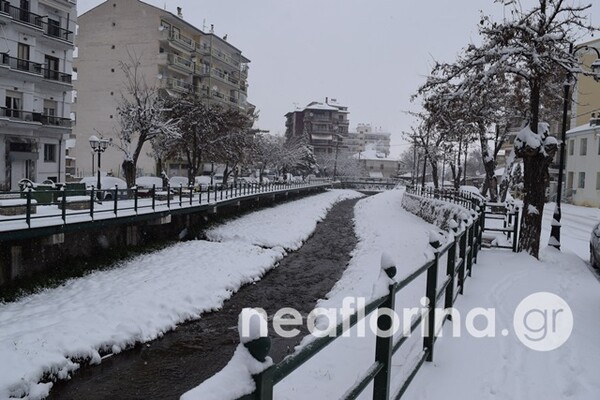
x: 74, y: 199
x: 15, y: 202
x: 502, y: 367
x: 141, y: 299
x: 283, y: 225
x: 499, y: 367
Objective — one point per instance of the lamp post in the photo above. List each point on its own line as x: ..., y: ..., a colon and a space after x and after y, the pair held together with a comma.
x: 338, y: 137
x: 98, y: 146
x: 555, y: 230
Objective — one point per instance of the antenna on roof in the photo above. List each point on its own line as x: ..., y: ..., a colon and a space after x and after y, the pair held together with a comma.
x: 203, y: 24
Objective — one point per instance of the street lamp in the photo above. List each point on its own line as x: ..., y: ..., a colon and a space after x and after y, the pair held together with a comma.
x: 338, y: 138
x: 98, y: 146
x: 595, y: 67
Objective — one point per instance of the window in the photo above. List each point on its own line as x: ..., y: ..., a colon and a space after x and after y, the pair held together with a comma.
x: 598, y: 146
x: 570, y: 180
x: 53, y: 27
x: 49, y: 152
x: 50, y: 112
x: 51, y: 71
x: 581, y: 183
x: 571, y: 147
x: 12, y: 103
x: 583, y: 147
x: 23, y: 57
x: 597, y: 180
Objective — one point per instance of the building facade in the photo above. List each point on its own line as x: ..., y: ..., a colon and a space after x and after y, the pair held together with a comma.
x: 377, y: 165
x: 366, y: 138
x: 586, y: 95
x: 324, y: 124
x: 174, y: 56
x: 583, y: 163
x: 35, y: 80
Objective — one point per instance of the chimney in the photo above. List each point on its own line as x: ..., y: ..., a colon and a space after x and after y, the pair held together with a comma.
x: 595, y: 119
x: 179, y: 14
x: 212, y: 28
x: 326, y: 100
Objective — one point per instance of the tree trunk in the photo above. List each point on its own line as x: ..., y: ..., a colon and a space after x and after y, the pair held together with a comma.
x: 535, y: 179
x: 535, y: 176
x: 129, y: 172
x: 434, y: 173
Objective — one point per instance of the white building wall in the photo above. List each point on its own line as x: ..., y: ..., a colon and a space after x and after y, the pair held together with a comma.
x: 589, y: 164
x: 34, y: 84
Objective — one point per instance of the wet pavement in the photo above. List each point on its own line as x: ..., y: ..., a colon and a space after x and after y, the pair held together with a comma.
x: 174, y: 364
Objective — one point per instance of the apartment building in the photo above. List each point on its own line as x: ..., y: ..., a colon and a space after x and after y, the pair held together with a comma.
x: 325, y: 124
x: 586, y: 94
x: 365, y: 137
x: 174, y: 56
x: 36, y: 53
x: 583, y: 163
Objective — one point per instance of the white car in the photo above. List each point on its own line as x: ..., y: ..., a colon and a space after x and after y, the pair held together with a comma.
x: 108, y: 184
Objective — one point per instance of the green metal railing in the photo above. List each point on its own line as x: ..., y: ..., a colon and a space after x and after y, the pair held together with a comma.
x: 461, y: 255
x: 93, y: 204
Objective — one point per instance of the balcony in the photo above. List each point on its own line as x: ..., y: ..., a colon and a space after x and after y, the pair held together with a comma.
x: 55, y: 31
x: 20, y: 64
x: 34, y: 68
x: 179, y: 62
x: 178, y: 85
x: 56, y: 76
x: 21, y: 14
x: 30, y: 116
x: 181, y: 41
x: 218, y: 55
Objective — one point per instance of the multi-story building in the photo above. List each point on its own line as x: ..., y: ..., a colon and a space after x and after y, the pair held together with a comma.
x: 35, y: 80
x: 325, y: 125
x: 174, y: 56
x: 586, y: 95
x: 366, y: 138
x: 377, y: 165
x: 583, y: 163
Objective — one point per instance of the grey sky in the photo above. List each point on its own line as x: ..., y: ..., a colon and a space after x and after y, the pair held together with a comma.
x: 369, y: 55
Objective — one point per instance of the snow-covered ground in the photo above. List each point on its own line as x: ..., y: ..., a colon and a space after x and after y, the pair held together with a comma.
x: 140, y: 299
x: 464, y: 367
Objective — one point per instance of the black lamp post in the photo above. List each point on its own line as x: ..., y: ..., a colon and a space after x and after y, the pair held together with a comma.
x: 337, y: 143
x: 555, y: 231
x: 98, y: 146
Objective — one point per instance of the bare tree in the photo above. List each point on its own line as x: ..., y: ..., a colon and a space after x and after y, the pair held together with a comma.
x: 141, y: 115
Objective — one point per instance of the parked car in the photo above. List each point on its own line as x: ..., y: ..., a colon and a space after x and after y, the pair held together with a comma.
x: 203, y: 182
x: 146, y: 183
x: 595, y: 247
x: 108, y: 184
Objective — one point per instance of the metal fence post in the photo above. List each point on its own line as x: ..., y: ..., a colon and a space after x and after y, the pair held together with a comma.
x: 430, y: 293
x: 135, y: 199
x: 153, y: 197
x: 463, y: 255
x: 470, y: 246
x: 64, y: 205
x: 516, y: 230
x: 28, y: 211
x: 384, y: 344
x: 168, y: 195
x: 191, y: 194
x: 264, y: 385
x: 450, y: 271
x: 92, y: 203
x: 116, y: 199
x: 180, y: 194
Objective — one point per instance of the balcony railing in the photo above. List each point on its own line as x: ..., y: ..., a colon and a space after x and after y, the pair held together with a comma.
x: 178, y: 85
x: 181, y: 40
x: 56, y: 75
x: 34, y: 68
x: 30, y: 116
x: 181, y: 62
x: 21, y: 14
x: 20, y: 64
x: 56, y: 31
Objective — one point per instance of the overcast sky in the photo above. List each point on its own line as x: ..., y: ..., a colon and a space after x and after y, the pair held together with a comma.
x: 370, y: 55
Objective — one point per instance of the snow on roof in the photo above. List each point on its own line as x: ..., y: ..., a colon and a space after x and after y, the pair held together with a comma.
x: 583, y: 129
x: 372, y: 154
x: 320, y: 106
